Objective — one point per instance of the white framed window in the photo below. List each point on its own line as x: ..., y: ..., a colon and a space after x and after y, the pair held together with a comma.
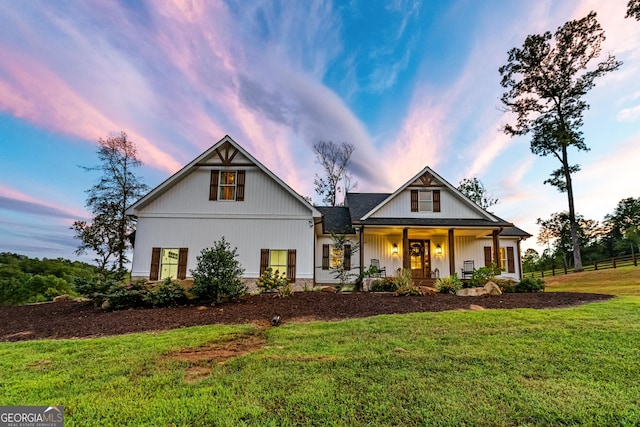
x: 169, y: 263
x: 425, y: 201
x: 337, y: 257
x: 227, y: 185
x: 278, y: 260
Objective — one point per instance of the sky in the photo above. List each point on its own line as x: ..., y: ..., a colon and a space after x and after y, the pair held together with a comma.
x: 409, y: 83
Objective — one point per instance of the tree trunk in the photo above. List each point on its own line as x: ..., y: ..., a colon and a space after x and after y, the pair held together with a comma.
x: 577, y: 257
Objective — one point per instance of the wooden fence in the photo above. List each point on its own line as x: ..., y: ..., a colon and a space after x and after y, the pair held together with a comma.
x: 602, y: 264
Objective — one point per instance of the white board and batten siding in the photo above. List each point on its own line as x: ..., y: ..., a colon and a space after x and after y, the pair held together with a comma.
x: 269, y: 217
x: 450, y: 207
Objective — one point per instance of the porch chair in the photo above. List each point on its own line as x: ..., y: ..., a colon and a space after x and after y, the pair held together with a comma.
x: 467, y: 269
x: 380, y: 271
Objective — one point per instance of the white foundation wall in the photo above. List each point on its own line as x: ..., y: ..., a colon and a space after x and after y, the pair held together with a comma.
x: 248, y: 235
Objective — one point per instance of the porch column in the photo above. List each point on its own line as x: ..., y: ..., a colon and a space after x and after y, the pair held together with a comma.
x: 361, y: 242
x: 452, y: 254
x: 406, y: 261
x: 519, y: 259
x: 496, y: 248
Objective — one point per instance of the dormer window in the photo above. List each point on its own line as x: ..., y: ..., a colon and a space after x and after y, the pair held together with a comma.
x: 425, y: 200
x: 227, y: 185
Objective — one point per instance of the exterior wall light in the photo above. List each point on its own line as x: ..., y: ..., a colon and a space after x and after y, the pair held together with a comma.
x: 394, y: 250
x: 438, y: 250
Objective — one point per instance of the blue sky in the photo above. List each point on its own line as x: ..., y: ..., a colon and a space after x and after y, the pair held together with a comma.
x: 409, y: 83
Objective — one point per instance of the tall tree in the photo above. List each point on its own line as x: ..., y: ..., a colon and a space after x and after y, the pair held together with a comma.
x: 633, y: 9
x: 557, y: 230
x: 334, y: 159
x: 623, y: 224
x: 546, y: 80
x: 118, y: 187
x: 474, y: 189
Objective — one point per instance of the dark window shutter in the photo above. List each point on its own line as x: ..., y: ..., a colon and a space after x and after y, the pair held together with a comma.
x: 291, y: 265
x: 436, y: 200
x: 182, y: 263
x: 511, y: 262
x: 414, y: 200
x: 346, y: 262
x: 240, y: 187
x: 264, y: 260
x: 487, y: 256
x: 213, y: 185
x: 325, y: 257
x: 154, y: 272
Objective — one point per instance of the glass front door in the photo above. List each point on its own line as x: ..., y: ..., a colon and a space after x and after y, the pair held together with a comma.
x: 420, y: 254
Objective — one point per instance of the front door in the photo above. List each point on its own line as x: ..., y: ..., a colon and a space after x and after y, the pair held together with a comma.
x: 420, y: 254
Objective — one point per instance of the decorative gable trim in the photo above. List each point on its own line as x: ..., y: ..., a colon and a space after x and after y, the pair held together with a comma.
x: 227, y: 149
x: 428, y: 175
x: 426, y: 180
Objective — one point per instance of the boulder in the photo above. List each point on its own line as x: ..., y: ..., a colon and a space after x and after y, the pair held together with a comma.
x: 60, y: 298
x: 476, y: 307
x: 330, y: 289
x: 492, y: 289
x: 471, y: 292
x: 427, y: 290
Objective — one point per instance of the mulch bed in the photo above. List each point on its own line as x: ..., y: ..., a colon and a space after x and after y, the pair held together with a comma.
x: 68, y: 319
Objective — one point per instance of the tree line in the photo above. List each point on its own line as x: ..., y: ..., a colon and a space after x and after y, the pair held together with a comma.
x: 617, y: 235
x: 27, y: 280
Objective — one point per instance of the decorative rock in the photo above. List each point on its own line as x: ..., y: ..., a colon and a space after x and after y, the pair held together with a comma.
x: 81, y: 299
x: 60, y: 298
x: 471, y: 292
x: 331, y: 289
x: 492, y: 289
x: 105, y: 305
x: 201, y: 307
x: 427, y: 290
x: 476, y: 307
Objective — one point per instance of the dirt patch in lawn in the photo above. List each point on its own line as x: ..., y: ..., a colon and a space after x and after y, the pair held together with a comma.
x: 202, y: 359
x: 68, y: 319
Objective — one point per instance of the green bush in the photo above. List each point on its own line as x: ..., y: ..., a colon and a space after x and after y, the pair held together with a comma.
x: 386, y: 284
x: 124, y: 295
x: 481, y: 276
x: 272, y: 280
x: 169, y: 293
x: 506, y: 285
x: 449, y: 285
x: 217, y: 274
x: 529, y: 284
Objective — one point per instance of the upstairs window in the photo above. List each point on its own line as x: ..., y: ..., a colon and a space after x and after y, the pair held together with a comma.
x: 227, y: 185
x: 425, y: 200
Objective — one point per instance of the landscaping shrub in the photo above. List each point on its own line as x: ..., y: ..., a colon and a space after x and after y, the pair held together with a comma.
x: 449, y: 285
x: 405, y: 284
x: 386, y: 284
x: 272, y: 280
x: 169, y: 293
x: 123, y: 295
x: 217, y: 274
x: 481, y: 276
x: 529, y: 284
x: 506, y: 285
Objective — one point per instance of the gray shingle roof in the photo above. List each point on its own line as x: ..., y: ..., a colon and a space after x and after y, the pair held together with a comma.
x: 336, y: 219
x: 361, y: 203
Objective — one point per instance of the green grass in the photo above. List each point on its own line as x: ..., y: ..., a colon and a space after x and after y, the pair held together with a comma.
x: 574, y: 366
x: 619, y: 281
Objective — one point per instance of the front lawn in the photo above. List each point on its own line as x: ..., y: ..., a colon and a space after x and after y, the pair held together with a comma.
x: 573, y: 366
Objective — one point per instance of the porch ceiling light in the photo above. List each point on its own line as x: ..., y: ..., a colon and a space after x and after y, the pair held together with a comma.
x: 394, y: 250
x: 438, y: 249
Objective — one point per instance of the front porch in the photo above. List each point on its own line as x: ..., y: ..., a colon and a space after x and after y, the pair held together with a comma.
x: 430, y: 253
